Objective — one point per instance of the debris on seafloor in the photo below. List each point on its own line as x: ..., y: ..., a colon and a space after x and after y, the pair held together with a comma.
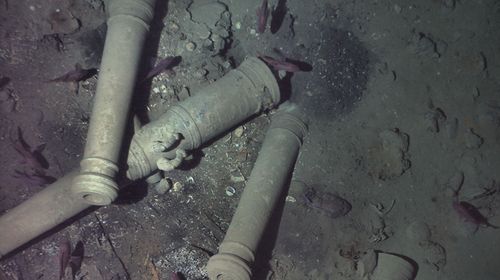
x: 163, y: 65
x: 76, y: 75
x: 329, y: 204
x: 262, y: 14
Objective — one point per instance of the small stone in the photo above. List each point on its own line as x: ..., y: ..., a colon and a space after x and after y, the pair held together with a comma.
x: 238, y: 132
x: 183, y: 94
x: 178, y: 186
x: 472, y: 140
x: 200, y: 73
x: 475, y: 93
x: 418, y: 232
x: 230, y: 191
x: 173, y: 27
x: 190, y: 46
x: 163, y: 186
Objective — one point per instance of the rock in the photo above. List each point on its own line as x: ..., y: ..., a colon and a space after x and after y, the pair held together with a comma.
x: 62, y: 21
x: 178, y: 186
x: 389, y: 159
x: 418, y: 231
x: 435, y: 119
x: 238, y: 132
x: 434, y: 254
x: 424, y: 44
x: 326, y: 203
x: 472, y: 140
x: 173, y: 27
x: 190, y: 46
x: 163, y: 186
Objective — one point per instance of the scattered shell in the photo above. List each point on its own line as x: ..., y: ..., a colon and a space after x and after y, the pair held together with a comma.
x: 230, y: 191
x: 163, y: 186
x: 238, y: 132
x: 237, y: 178
x: 418, y: 232
x: 472, y: 140
x: 178, y: 186
x: 392, y: 267
x: 190, y: 46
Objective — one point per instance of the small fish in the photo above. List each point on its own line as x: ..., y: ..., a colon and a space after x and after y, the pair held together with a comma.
x: 32, y: 158
x: 3, y: 82
x: 76, y: 258
x: 75, y: 75
x: 175, y: 276
x: 470, y: 214
x: 262, y: 14
x: 280, y: 65
x: 64, y: 257
x: 164, y: 64
x: 34, y: 178
x: 278, y: 16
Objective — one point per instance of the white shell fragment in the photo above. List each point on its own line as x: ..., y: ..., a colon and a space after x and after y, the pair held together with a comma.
x: 230, y: 191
